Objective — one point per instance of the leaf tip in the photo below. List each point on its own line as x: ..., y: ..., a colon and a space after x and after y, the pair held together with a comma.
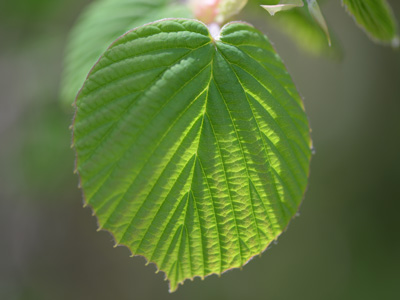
x: 317, y: 15
x: 268, y: 9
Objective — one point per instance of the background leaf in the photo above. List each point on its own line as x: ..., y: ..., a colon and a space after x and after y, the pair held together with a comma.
x: 316, y: 13
x: 282, y: 6
x: 194, y: 153
x: 376, y: 18
x: 98, y: 26
x: 298, y: 25
x: 305, y: 32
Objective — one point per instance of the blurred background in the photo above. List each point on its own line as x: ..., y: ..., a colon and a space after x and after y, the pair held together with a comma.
x: 344, y: 245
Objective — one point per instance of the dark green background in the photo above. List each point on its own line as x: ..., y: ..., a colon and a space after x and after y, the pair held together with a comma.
x: 344, y: 245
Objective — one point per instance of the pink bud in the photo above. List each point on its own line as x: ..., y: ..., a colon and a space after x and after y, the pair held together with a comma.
x: 205, y: 10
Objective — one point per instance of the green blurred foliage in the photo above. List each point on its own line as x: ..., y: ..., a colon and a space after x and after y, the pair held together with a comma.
x: 27, y: 18
x: 344, y: 245
x: 24, y: 11
x: 45, y: 157
x: 300, y: 27
x: 376, y: 18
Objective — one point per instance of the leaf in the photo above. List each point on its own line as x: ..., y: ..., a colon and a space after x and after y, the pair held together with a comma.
x: 299, y: 26
x: 306, y: 33
x: 376, y: 18
x: 102, y: 23
x: 192, y: 152
x: 282, y: 5
x: 316, y: 13
x: 229, y: 8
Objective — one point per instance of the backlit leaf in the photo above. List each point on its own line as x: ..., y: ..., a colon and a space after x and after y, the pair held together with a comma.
x: 192, y: 152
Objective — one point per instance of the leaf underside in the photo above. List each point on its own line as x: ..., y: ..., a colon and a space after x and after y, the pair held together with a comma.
x: 282, y: 6
x: 101, y: 24
x: 194, y: 153
x: 376, y: 18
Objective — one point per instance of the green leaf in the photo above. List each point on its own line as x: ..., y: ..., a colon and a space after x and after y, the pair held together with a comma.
x: 282, y: 6
x: 298, y: 25
x: 376, y: 18
x: 316, y: 13
x: 102, y: 23
x: 313, y: 8
x: 192, y: 152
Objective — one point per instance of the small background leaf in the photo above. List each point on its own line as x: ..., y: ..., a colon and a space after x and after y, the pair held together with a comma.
x: 316, y: 13
x: 283, y: 5
x: 98, y: 26
x: 299, y: 26
x: 194, y: 153
x: 376, y: 18
x: 305, y: 32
